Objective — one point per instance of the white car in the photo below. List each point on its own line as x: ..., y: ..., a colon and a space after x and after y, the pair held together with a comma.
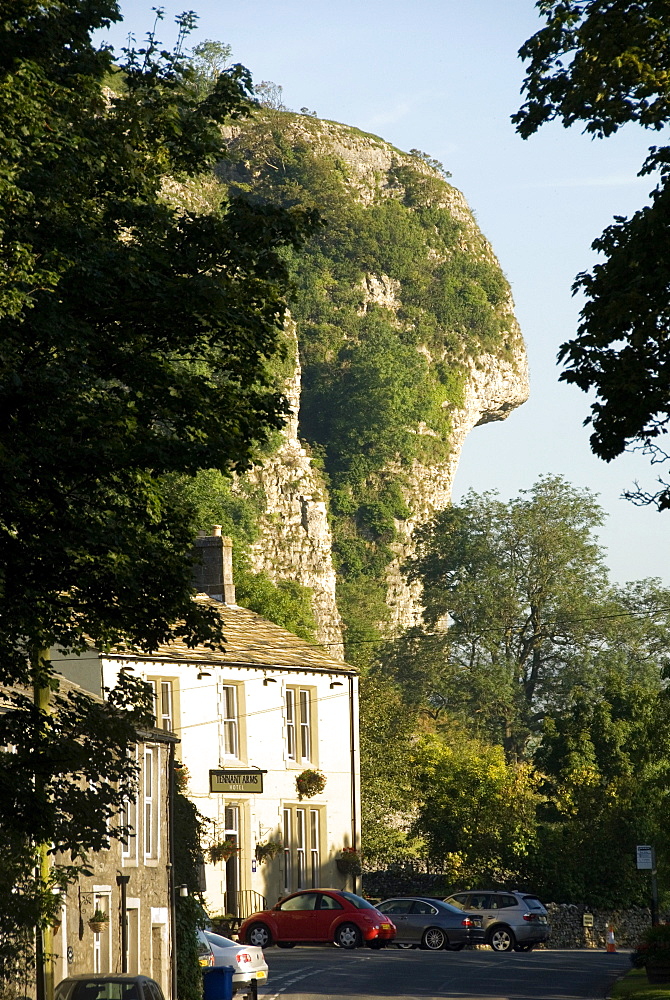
x: 248, y: 962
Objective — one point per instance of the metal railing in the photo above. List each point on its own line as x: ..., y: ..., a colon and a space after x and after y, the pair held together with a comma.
x: 244, y: 902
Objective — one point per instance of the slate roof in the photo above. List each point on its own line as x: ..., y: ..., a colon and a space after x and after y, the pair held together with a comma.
x: 249, y: 640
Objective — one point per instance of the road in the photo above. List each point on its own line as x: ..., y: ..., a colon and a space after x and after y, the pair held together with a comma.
x: 317, y: 973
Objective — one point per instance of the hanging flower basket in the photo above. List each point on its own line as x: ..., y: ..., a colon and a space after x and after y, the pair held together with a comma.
x: 349, y: 861
x: 265, y: 852
x: 309, y: 783
x: 98, y: 921
x: 222, y: 851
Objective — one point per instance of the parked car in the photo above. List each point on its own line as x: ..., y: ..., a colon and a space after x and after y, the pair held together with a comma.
x: 248, y: 962
x: 113, y: 986
x: 423, y: 922
x: 319, y: 915
x: 512, y: 920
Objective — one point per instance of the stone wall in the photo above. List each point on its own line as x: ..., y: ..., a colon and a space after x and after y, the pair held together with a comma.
x: 568, y: 931
x: 566, y: 919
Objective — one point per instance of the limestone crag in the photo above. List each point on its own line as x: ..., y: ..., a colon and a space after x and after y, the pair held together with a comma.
x: 295, y: 541
x: 295, y: 538
x: 494, y: 388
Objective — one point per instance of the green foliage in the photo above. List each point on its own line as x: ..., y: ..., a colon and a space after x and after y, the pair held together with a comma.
x: 520, y: 582
x: 135, y: 346
x: 603, y: 62
x: 379, y: 382
x: 475, y: 810
x: 606, y: 63
x: 287, y: 603
x: 211, y: 497
x: 64, y: 778
x: 387, y: 727
x: 547, y: 676
x: 606, y: 766
x: 188, y: 860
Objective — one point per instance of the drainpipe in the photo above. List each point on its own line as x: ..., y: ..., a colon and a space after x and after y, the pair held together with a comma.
x: 122, y: 882
x: 352, y: 757
x: 171, y: 886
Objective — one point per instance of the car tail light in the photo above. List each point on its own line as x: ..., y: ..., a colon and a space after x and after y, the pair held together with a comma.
x: 529, y: 916
x: 466, y: 922
x: 243, y: 957
x: 206, y: 960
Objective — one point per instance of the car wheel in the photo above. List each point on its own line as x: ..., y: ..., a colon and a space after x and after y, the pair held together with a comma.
x: 524, y: 947
x: 259, y: 935
x: 404, y: 945
x: 434, y: 939
x: 502, y: 939
x: 286, y: 944
x: 348, y: 936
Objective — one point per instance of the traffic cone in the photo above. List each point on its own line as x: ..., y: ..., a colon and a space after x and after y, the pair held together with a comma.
x: 611, y: 943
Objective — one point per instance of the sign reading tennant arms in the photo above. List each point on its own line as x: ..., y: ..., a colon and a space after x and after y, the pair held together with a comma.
x: 234, y: 780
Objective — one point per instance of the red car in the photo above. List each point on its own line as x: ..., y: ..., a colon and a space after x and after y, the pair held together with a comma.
x: 319, y: 915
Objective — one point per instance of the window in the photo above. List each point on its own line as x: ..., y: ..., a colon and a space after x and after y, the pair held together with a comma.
x: 302, y: 848
x: 163, y: 701
x: 314, y: 860
x: 329, y: 903
x: 151, y: 791
x: 290, y: 723
x: 299, y: 724
x: 396, y: 906
x: 305, y: 726
x: 419, y: 906
x: 305, y: 901
x: 101, y: 939
x: 229, y: 717
x: 288, y: 873
x: 129, y: 819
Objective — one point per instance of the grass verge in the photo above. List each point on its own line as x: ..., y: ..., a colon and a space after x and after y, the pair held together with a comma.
x: 634, y: 986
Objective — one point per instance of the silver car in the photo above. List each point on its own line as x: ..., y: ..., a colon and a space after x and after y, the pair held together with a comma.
x: 513, y: 921
x: 248, y: 962
x: 423, y: 922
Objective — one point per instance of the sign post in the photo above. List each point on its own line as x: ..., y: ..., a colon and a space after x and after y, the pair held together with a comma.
x: 646, y: 861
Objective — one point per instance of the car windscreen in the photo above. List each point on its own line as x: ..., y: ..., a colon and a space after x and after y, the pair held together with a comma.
x: 357, y: 901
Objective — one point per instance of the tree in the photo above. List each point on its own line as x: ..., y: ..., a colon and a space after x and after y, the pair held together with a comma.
x: 605, y: 766
x: 135, y: 341
x: 531, y: 616
x: 387, y: 726
x: 606, y: 63
x: 475, y: 810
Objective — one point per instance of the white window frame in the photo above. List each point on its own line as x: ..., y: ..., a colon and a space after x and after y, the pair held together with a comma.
x: 300, y: 835
x: 314, y: 850
x: 291, y: 744
x: 305, y: 703
x: 150, y: 799
x: 288, y: 866
x: 230, y: 722
x: 299, y: 734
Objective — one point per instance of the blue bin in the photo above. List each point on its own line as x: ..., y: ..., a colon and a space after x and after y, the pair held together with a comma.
x: 218, y: 983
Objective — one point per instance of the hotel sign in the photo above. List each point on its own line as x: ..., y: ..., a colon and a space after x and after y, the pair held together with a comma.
x: 235, y: 780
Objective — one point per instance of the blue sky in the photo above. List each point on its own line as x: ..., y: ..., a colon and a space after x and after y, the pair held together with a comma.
x: 443, y: 76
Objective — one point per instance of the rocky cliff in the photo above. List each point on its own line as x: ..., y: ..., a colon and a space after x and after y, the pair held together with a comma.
x: 407, y: 341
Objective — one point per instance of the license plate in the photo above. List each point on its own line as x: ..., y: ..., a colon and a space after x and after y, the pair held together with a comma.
x: 386, y: 927
x: 261, y: 974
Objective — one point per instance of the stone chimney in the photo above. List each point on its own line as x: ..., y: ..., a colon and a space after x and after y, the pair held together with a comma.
x: 213, y: 566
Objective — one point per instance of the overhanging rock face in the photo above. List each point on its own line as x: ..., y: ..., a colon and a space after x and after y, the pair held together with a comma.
x: 295, y: 540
